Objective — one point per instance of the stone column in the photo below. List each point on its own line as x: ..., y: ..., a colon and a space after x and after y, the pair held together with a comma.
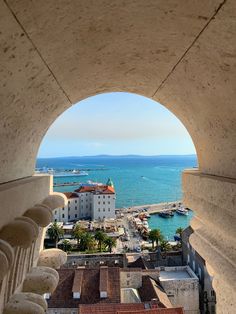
x: 213, y: 200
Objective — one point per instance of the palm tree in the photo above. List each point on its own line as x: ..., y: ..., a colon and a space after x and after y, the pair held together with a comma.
x: 87, y: 242
x: 78, y: 233
x: 100, y: 236
x: 179, y: 231
x: 55, y: 232
x: 110, y: 243
x: 67, y: 247
x: 155, y: 235
x: 165, y: 246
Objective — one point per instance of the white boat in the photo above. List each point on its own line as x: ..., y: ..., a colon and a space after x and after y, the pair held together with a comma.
x: 182, y: 211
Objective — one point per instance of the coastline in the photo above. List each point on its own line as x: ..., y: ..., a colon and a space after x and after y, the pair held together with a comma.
x: 151, y: 208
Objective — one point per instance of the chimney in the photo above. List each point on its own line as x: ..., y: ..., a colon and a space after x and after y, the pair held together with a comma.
x: 103, y: 284
x: 77, y: 284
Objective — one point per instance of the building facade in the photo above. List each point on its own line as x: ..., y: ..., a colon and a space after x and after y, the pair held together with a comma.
x: 93, y: 201
x: 191, y: 258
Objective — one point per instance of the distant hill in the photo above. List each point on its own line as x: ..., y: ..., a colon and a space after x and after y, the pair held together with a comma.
x: 118, y: 156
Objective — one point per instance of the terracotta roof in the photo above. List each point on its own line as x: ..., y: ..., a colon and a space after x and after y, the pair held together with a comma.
x: 78, y: 279
x: 152, y: 290
x: 70, y: 195
x: 62, y: 297
x: 139, y: 263
x: 99, y: 189
x: 178, y: 310
x: 108, y: 308
x: 103, y: 280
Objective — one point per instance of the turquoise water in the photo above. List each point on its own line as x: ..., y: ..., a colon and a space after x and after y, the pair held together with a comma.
x: 168, y: 226
x: 138, y: 180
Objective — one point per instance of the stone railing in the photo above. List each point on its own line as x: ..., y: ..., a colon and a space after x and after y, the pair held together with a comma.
x: 27, y: 271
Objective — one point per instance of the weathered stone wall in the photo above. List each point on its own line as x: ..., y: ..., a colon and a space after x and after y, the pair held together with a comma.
x: 132, y: 277
x: 213, y: 200
x: 96, y: 260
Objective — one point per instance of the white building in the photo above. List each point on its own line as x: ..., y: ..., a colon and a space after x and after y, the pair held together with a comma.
x: 182, y: 287
x: 95, y: 202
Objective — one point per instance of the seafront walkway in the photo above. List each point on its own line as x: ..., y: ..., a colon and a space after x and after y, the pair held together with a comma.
x: 149, y: 208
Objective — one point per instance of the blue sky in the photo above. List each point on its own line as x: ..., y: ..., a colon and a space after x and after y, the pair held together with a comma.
x: 116, y: 124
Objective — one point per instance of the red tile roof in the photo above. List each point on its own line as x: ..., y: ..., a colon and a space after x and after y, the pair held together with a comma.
x: 100, y: 189
x: 109, y: 308
x: 70, y: 195
x: 153, y: 311
x: 62, y: 297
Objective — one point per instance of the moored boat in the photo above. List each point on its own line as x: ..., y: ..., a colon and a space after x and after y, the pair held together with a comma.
x: 182, y: 211
x: 166, y: 213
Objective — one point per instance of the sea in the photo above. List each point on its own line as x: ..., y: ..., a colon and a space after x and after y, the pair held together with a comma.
x: 138, y: 180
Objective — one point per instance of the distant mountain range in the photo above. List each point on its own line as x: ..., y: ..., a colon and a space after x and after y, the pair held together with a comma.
x: 117, y: 156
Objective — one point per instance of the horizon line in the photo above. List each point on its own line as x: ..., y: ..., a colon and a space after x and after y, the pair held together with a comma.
x: 110, y: 155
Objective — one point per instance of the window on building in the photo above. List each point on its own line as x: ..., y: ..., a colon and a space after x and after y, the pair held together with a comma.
x: 82, y: 207
x: 55, y: 212
x: 109, y: 202
x: 75, y: 201
x: 63, y: 208
x: 103, y: 196
x: 103, y: 209
x: 99, y: 196
x: 82, y: 201
x: 104, y: 217
x: 99, y: 202
x: 75, y: 215
x: 128, y: 275
x: 127, y: 282
x: 86, y: 206
x: 99, y: 209
x: 75, y: 207
x: 68, y: 216
x: 108, y: 196
x: 63, y: 216
x: 68, y: 202
x: 104, y: 203
x: 68, y: 208
x: 109, y: 209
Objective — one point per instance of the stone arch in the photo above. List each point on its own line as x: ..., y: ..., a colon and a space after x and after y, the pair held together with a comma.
x: 179, y: 53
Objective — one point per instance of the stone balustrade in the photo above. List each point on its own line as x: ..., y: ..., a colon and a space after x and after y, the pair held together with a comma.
x: 27, y: 271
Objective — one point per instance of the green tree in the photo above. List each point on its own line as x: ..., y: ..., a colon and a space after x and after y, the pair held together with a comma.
x: 55, y: 232
x: 87, y: 242
x: 179, y: 231
x: 110, y: 243
x: 165, y: 246
x: 155, y: 236
x: 66, y: 246
x: 100, y: 236
x: 78, y: 233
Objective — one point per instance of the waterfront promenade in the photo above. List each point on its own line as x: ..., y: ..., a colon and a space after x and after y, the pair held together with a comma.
x: 150, y: 208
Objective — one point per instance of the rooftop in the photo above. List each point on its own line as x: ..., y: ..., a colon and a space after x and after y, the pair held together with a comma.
x: 96, y: 189
x: 85, y: 281
x: 177, y: 273
x: 70, y: 195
